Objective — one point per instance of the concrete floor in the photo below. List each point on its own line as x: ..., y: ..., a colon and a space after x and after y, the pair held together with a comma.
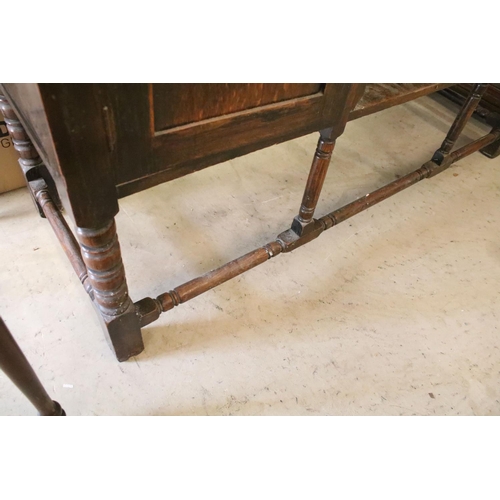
x: 394, y: 312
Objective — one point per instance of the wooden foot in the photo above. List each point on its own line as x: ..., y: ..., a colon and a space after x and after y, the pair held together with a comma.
x: 102, y: 257
x: 492, y: 151
x: 15, y: 365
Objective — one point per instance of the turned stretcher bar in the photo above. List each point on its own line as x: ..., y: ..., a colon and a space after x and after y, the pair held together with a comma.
x: 178, y: 129
x: 149, y: 309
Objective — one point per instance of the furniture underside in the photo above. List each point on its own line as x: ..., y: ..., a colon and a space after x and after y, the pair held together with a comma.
x: 488, y: 109
x: 159, y: 132
x: 97, y: 245
x: 376, y: 97
x: 380, y: 96
x: 306, y: 101
x: 149, y: 309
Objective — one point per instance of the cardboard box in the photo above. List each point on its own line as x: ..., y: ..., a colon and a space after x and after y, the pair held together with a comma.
x: 11, y: 176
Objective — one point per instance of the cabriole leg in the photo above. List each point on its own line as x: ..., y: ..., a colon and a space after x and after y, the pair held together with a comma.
x: 15, y: 365
x: 102, y: 257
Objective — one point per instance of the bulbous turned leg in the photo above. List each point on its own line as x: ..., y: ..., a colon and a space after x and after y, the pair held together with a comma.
x: 102, y: 257
x: 29, y: 159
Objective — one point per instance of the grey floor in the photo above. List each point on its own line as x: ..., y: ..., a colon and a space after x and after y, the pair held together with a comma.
x: 393, y: 312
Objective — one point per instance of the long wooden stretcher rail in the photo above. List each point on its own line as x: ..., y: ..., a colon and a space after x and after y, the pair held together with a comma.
x: 149, y: 309
x: 178, y: 129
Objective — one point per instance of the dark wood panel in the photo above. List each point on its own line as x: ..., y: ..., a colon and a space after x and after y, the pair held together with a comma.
x: 103, y: 136
x: 186, y: 149
x: 380, y: 96
x: 180, y: 104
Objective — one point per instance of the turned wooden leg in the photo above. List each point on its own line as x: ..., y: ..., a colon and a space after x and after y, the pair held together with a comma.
x: 31, y: 163
x: 303, y: 224
x: 315, y: 181
x: 15, y: 365
x: 468, y: 108
x: 102, y: 257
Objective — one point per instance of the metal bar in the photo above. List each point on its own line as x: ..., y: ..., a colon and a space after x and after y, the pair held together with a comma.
x: 15, y: 365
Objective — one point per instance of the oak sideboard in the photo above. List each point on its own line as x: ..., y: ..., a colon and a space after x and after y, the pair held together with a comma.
x: 84, y: 146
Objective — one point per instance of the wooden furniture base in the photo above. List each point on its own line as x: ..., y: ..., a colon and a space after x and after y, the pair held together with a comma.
x: 95, y: 252
x: 488, y: 110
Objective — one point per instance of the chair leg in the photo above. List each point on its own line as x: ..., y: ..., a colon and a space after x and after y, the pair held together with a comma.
x: 15, y: 365
x: 102, y: 257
